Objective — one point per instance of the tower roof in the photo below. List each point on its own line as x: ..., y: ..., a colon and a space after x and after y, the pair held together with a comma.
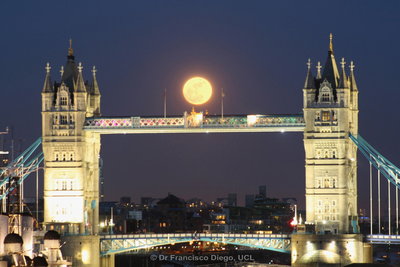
x: 331, y: 73
x: 80, y: 83
x: 70, y: 71
x: 94, y: 88
x: 343, y: 78
x: 47, y: 86
x: 352, y: 79
x: 310, y: 81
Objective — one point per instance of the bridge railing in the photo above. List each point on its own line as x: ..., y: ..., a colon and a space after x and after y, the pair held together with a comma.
x: 196, y: 120
x: 111, y: 244
x: 195, y: 235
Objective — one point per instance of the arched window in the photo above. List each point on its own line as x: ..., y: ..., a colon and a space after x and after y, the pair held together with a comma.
x: 325, y: 97
x: 63, y: 101
x: 63, y: 119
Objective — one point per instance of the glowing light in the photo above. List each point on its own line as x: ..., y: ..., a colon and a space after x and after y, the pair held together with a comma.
x: 197, y: 90
x: 251, y: 119
x: 64, y: 209
x: 332, y: 246
x: 85, y: 256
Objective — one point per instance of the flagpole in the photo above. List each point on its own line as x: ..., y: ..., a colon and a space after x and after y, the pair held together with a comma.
x: 222, y: 103
x: 165, y: 102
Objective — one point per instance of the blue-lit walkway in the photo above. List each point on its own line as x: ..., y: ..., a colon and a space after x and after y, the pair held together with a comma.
x: 112, y: 244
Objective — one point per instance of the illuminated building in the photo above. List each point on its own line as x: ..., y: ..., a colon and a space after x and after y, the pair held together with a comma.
x: 71, y: 183
x: 331, y: 115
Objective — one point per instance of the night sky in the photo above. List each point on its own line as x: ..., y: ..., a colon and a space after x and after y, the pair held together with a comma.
x: 255, y: 50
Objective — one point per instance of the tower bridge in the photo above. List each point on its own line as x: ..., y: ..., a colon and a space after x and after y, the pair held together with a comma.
x: 72, y: 126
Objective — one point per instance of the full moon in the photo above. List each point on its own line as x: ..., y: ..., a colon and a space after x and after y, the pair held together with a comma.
x: 197, y: 90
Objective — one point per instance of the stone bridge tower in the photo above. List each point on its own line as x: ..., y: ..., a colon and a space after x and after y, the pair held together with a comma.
x: 331, y: 114
x: 71, y: 155
x: 331, y: 233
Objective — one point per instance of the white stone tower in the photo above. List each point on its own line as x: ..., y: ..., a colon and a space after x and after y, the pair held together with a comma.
x: 71, y: 155
x: 331, y: 114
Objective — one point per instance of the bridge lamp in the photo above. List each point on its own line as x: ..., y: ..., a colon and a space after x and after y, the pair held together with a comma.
x: 251, y: 120
x: 197, y: 90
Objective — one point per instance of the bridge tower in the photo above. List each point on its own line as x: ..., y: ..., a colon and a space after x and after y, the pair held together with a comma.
x: 71, y: 155
x: 330, y: 101
x: 331, y: 114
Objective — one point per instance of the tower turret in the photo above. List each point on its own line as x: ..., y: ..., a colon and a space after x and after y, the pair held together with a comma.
x: 94, y: 96
x: 47, y: 91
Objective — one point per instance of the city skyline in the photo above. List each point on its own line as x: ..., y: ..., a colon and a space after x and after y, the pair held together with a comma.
x: 134, y: 71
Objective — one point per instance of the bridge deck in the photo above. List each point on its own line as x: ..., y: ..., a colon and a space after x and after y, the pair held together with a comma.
x: 196, y: 123
x: 111, y: 244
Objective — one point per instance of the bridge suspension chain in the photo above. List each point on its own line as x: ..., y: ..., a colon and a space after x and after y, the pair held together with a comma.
x: 23, y: 165
x: 390, y: 172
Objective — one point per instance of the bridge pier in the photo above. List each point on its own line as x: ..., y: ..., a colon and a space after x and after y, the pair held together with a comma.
x: 329, y: 249
x: 84, y: 250
x: 107, y: 261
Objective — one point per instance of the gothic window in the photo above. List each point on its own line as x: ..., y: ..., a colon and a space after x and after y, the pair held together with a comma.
x: 325, y: 97
x: 326, y: 182
x: 56, y: 157
x: 326, y: 116
x: 63, y: 101
x: 63, y: 119
x: 64, y: 157
x: 326, y: 208
x: 71, y: 156
x: 64, y: 185
x: 334, y: 186
x: 334, y: 154
x: 317, y: 116
x: 318, y: 183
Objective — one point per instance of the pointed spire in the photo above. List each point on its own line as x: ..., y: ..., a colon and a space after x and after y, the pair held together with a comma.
x: 69, y: 73
x: 331, y: 73
x: 47, y: 87
x: 62, y: 71
x: 70, y: 50
x: 80, y: 84
x: 343, y: 77
x: 95, y: 87
x: 353, y: 84
x: 310, y: 82
x: 318, y: 70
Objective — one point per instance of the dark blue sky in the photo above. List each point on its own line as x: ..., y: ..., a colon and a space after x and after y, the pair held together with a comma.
x: 255, y: 50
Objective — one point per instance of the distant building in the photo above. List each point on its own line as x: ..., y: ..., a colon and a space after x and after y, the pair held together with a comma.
x: 232, y: 199
x: 262, y: 190
x: 249, y: 201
